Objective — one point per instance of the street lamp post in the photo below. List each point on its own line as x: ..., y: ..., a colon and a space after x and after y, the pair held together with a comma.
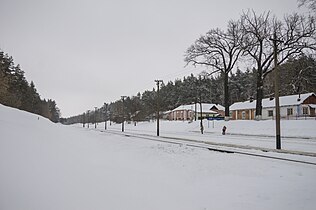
x: 157, y: 83
x: 201, y: 113
x: 95, y: 117
x: 123, y: 97
x: 83, y: 119
x: 105, y: 115
x: 195, y: 109
x: 88, y: 118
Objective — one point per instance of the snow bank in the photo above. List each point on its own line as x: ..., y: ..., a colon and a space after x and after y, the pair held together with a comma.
x: 50, y: 166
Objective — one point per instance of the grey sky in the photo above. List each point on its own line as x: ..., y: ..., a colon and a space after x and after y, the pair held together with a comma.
x: 84, y: 53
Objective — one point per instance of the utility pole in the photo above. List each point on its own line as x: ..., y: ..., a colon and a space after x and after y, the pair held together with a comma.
x: 105, y: 115
x: 201, y: 113
x: 195, y: 110
x: 88, y: 118
x: 123, y: 97
x: 157, y: 83
x: 110, y: 116
x: 83, y: 119
x: 95, y: 117
x: 276, y: 92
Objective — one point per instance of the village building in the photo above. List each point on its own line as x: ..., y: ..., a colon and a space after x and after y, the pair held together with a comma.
x: 188, y: 112
x: 291, y: 107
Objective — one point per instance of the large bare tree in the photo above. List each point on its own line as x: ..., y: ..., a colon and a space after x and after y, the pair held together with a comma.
x: 220, y: 51
x: 295, y: 34
x: 311, y: 4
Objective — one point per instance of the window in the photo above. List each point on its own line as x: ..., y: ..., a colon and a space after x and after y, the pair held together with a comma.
x: 305, y: 110
x: 289, y: 111
x: 270, y: 113
x: 243, y: 115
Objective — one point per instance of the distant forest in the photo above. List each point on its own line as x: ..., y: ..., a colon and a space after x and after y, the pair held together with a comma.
x: 297, y: 76
x: 17, y: 92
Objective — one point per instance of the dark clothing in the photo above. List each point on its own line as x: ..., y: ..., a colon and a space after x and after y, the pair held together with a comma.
x: 224, y: 130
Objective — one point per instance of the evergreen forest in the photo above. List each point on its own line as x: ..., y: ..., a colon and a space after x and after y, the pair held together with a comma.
x: 17, y: 92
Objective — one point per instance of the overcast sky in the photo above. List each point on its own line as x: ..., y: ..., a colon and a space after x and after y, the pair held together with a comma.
x: 84, y: 53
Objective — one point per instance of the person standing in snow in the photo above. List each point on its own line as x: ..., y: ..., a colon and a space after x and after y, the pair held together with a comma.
x: 224, y: 130
x: 202, y: 128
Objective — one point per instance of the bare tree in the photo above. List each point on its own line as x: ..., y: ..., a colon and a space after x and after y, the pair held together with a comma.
x: 220, y: 51
x: 295, y: 33
x: 311, y: 4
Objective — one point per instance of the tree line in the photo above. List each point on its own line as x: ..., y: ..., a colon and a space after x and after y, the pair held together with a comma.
x: 298, y: 76
x: 17, y: 92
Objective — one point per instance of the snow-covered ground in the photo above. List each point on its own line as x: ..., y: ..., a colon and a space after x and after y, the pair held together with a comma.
x: 51, y: 166
x: 290, y: 128
x: 297, y: 135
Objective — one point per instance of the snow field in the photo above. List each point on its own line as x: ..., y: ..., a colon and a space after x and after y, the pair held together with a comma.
x: 289, y: 128
x: 297, y: 135
x: 51, y: 166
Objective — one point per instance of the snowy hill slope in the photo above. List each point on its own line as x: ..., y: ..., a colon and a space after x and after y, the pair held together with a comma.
x: 51, y: 166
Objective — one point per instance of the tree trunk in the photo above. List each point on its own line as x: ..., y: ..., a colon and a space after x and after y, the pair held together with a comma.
x: 259, y: 95
x: 226, y: 96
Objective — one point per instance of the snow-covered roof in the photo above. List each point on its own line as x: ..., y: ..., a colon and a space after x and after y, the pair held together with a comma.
x: 266, y: 103
x: 205, y: 107
x: 167, y: 112
x: 312, y: 106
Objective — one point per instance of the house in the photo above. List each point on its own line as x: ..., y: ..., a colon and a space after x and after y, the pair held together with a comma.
x: 292, y: 106
x: 187, y: 112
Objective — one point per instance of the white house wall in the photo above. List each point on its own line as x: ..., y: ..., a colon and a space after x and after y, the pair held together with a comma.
x: 297, y: 111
